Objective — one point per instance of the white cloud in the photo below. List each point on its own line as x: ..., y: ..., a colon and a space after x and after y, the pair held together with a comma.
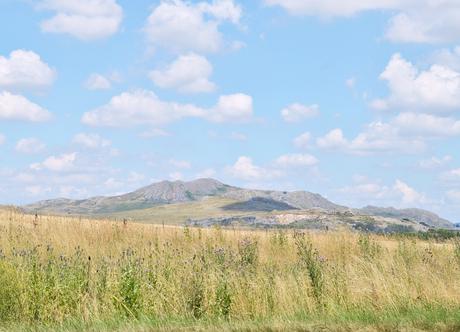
x: 155, y: 132
x: 400, y: 194
x: 418, y: 21
x: 223, y: 10
x: 30, y: 146
x: 183, y: 26
x: 98, y: 82
x: 142, y: 107
x: 2, y: 139
x: 453, y: 196
x: 364, y: 188
x: 328, y: 8
x: 59, y: 163
x: 25, y: 70
x: 232, y: 108
x: 83, y: 19
x: 451, y: 176
x: 175, y: 176
x: 302, y: 141
x: 332, y: 140
x: 17, y: 107
x: 426, y: 125
x: 434, y: 162
x: 188, y: 73
x: 297, y: 112
x: 91, y: 141
x: 448, y: 58
x: 377, y: 137
x: 426, y: 22
x: 182, y: 164
x: 435, y: 90
x: 207, y: 173
x: 37, y: 190
x: 350, y: 82
x: 112, y: 183
x: 245, y: 169
x: 296, y: 160
x: 408, y: 194
x: 407, y: 132
x: 238, y: 136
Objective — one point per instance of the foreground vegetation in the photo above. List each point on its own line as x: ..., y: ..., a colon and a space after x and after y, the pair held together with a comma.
x: 75, y: 274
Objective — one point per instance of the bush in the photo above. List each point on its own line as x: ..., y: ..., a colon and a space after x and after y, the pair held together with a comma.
x: 10, y: 291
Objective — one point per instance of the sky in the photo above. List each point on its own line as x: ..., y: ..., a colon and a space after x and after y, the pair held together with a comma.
x: 358, y: 100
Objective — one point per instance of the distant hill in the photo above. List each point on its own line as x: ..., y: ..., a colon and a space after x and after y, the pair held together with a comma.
x: 164, y: 192
x: 226, y: 200
x: 169, y: 192
x: 419, y: 215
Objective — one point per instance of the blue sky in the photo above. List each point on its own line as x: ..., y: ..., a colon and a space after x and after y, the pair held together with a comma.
x: 355, y: 100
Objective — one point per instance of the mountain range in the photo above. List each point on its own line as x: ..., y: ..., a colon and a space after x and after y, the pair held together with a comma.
x: 226, y: 200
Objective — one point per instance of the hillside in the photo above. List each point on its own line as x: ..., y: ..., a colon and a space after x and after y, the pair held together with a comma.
x: 208, y: 202
x: 168, y: 192
x: 421, y: 216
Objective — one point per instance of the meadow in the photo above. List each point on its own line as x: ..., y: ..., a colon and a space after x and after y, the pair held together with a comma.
x: 73, y: 274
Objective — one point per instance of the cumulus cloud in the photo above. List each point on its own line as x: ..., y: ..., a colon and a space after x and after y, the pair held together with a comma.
x: 176, y: 176
x: 17, y: 107
x: 142, y: 107
x: 302, y: 141
x: 333, y: 140
x: 434, y: 162
x: 182, y: 164
x: 155, y: 132
x: 448, y: 57
x: 426, y: 125
x: 377, y: 137
x: 328, y: 8
x: 297, y: 112
x: 350, y: 82
x: 451, y: 176
x: 59, y: 163
x: 434, y: 90
x: 181, y: 26
x: 238, y: 136
x: 426, y: 22
x: 416, y: 21
x: 453, y: 196
x: 232, y: 108
x: 30, y: 146
x: 83, y: 19
x: 207, y: 173
x: 98, y: 82
x: 296, y: 160
x: 188, y: 73
x: 408, y: 194
x: 91, y: 141
x: 245, y: 169
x: 399, y: 193
x: 25, y: 70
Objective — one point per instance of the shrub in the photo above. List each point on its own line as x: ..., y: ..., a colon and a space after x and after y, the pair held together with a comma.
x: 309, y: 258
x: 10, y: 290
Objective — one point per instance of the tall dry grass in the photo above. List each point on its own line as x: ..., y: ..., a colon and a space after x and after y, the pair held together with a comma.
x: 55, y: 270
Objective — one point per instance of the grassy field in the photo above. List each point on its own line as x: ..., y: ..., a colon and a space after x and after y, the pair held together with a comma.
x: 178, y: 213
x: 69, y: 274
